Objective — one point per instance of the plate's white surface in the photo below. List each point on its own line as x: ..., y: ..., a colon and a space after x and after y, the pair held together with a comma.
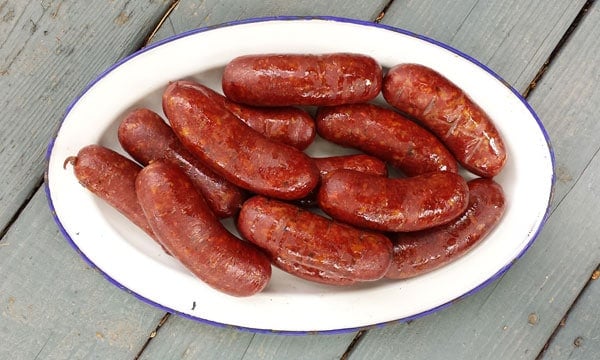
x: 131, y: 259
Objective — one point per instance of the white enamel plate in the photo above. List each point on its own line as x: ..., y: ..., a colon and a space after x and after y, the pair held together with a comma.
x: 131, y: 260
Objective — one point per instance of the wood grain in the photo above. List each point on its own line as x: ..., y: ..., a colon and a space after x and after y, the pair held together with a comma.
x: 50, y: 51
x: 191, y: 14
x: 578, y: 336
x: 53, y: 305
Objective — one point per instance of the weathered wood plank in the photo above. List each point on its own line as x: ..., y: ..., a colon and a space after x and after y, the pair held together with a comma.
x: 50, y: 51
x: 192, y: 14
x: 515, y: 316
x: 54, y: 306
x: 178, y: 338
x: 579, y: 336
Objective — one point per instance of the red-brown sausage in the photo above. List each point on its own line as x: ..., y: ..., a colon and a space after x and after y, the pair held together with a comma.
x: 286, y: 124
x: 146, y: 137
x: 232, y: 149
x: 358, y: 162
x: 302, y: 79
x: 390, y: 204
x: 423, y: 251
x: 311, y: 246
x: 386, y: 134
x: 111, y: 177
x: 448, y: 112
x: 189, y: 230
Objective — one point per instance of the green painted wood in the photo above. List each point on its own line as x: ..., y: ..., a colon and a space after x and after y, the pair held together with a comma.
x: 192, y: 14
x: 54, y: 306
x: 50, y: 50
x: 578, y: 337
x: 181, y: 338
x: 514, y: 318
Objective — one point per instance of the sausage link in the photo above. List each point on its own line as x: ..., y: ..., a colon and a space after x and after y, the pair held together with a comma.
x: 449, y: 113
x: 386, y: 134
x: 391, y: 204
x: 286, y: 124
x: 232, y: 149
x: 189, y: 230
x: 302, y: 79
x: 146, y: 137
x: 423, y: 251
x: 311, y: 246
x: 110, y: 176
x: 358, y: 162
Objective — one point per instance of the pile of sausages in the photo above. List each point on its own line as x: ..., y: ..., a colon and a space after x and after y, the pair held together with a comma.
x: 242, y: 155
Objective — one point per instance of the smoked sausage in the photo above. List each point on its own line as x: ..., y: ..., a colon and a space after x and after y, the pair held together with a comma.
x: 232, y: 149
x: 386, y: 134
x: 189, y: 230
x: 302, y: 79
x: 443, y: 108
x: 286, y: 124
x: 146, y: 137
x: 311, y: 246
x: 393, y: 204
x: 358, y: 162
x: 110, y: 176
x: 419, y: 252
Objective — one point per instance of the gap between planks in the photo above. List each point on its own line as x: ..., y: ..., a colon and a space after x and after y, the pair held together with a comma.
x: 563, y: 40
x: 563, y: 321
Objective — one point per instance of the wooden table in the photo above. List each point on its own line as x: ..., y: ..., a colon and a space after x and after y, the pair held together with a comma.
x: 54, y: 306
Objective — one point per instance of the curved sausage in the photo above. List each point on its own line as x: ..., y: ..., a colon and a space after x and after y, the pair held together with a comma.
x: 146, y: 137
x: 386, y: 134
x: 110, y: 176
x: 302, y: 79
x: 189, y: 230
x: 232, y: 149
x: 423, y: 251
x: 286, y: 124
x: 311, y: 246
x: 390, y: 204
x: 449, y: 113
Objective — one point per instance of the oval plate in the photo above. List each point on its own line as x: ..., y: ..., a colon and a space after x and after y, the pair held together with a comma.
x: 131, y: 260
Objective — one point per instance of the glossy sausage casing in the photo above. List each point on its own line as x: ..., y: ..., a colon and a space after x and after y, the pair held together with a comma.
x: 311, y: 246
x: 391, y: 204
x: 232, y: 149
x: 357, y: 162
x: 146, y: 137
x: 189, y: 230
x: 302, y: 79
x: 285, y: 124
x: 448, y: 112
x: 423, y: 251
x: 386, y: 134
x: 111, y: 177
